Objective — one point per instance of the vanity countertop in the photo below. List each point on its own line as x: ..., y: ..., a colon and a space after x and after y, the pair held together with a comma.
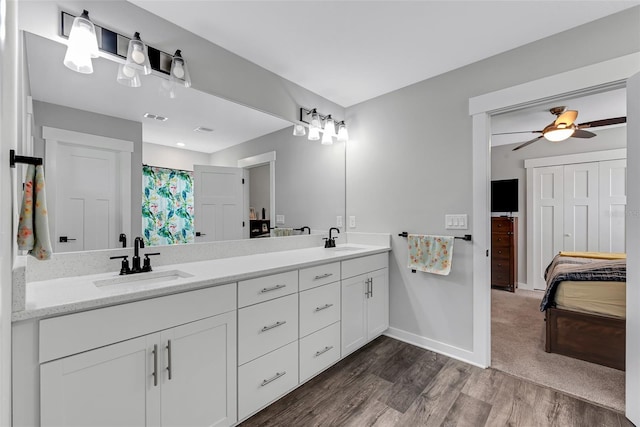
x: 67, y: 295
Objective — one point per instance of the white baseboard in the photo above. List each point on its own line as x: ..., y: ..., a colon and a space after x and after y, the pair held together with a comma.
x: 433, y: 345
x: 522, y: 285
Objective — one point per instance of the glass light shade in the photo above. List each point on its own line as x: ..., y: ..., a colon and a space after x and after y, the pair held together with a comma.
x: 82, y: 45
x: 557, y: 135
x: 128, y: 76
x: 315, y: 120
x: 314, y: 134
x: 327, y: 139
x: 167, y: 88
x: 343, y: 134
x: 330, y: 126
x: 299, y: 130
x: 137, y: 57
x: 179, y: 70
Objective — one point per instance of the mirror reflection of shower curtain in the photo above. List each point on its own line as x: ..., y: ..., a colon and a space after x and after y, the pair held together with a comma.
x: 167, y: 206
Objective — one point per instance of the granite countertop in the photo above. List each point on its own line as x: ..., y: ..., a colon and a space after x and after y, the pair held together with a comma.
x: 71, y: 294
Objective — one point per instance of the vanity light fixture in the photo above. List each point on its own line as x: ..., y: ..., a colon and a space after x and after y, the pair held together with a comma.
x: 128, y: 76
x: 299, y: 130
x: 314, y: 134
x: 343, y: 134
x: 327, y: 139
x: 329, y: 126
x: 316, y: 122
x: 82, y: 45
x: 179, y: 71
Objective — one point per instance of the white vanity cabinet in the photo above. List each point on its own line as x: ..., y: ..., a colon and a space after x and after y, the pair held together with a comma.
x: 365, y: 300
x: 182, y: 375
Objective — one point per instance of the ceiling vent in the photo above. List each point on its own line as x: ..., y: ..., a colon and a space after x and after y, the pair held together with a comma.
x: 155, y: 117
x: 203, y: 129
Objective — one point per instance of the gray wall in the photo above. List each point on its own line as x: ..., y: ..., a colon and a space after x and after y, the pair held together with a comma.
x: 310, y: 177
x: 507, y: 164
x: 410, y: 163
x: 172, y: 158
x: 259, y: 193
x: 61, y: 117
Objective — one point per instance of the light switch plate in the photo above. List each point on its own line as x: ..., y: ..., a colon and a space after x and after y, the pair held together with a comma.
x: 352, y: 221
x: 456, y: 222
x: 339, y: 221
x: 279, y: 219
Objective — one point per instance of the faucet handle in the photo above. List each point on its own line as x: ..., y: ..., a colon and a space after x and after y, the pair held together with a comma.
x: 147, y: 261
x: 124, y: 267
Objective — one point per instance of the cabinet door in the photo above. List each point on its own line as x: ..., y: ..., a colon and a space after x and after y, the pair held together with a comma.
x: 108, y: 386
x: 198, y: 373
x: 354, y: 314
x: 378, y: 303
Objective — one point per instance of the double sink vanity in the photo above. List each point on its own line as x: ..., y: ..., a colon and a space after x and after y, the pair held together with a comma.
x: 209, y: 342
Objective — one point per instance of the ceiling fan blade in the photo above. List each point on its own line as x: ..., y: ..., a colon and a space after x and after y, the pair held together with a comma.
x: 567, y: 117
x: 524, y: 144
x: 513, y: 133
x: 579, y: 133
x: 604, y: 122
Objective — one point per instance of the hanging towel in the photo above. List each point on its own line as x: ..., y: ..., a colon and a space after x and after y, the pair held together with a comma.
x: 282, y: 232
x: 430, y: 254
x: 33, y: 226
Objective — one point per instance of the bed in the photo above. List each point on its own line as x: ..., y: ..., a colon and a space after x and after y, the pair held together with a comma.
x: 584, y: 305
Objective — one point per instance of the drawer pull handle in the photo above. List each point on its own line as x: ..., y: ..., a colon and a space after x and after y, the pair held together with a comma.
x: 155, y: 365
x: 275, y: 325
x: 273, y: 378
x: 323, y: 276
x: 324, y: 307
x: 324, y: 350
x: 169, y: 368
x: 273, y: 288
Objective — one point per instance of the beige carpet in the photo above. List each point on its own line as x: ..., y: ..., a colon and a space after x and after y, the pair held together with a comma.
x: 517, y: 347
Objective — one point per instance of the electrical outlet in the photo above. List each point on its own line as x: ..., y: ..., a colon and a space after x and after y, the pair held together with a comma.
x: 456, y: 222
x: 279, y: 219
x: 339, y: 221
x: 352, y: 222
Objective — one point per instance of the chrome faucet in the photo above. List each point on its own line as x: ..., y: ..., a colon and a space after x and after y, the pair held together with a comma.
x: 138, y: 243
x: 331, y: 241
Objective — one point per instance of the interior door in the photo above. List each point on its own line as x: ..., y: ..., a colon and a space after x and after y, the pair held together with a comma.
x: 580, y: 207
x: 218, y: 203
x: 548, y: 185
x: 613, y: 201
x: 87, y: 199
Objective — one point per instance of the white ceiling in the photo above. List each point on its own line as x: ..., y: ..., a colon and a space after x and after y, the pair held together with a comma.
x: 351, y: 51
x: 99, y: 92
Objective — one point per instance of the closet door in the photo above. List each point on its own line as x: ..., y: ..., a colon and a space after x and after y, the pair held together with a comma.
x: 613, y: 200
x: 548, y: 186
x: 580, y: 228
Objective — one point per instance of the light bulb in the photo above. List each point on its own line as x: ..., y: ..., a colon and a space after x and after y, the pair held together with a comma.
x: 128, y: 76
x: 137, y: 58
x: 330, y: 126
x: 343, y: 134
x: 137, y: 55
x: 315, y: 120
x: 179, y: 72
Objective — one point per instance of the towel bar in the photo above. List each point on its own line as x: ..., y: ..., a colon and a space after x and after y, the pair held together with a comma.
x: 466, y: 237
x: 13, y: 159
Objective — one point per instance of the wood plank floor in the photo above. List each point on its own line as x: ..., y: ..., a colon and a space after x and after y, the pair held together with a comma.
x: 391, y: 383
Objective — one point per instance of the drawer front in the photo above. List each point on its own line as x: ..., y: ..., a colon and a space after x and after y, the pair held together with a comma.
x: 501, y: 225
x: 266, y: 379
x: 267, y: 326
x: 319, y: 351
x: 319, y: 307
x: 500, y: 240
x: 501, y: 253
x: 320, y: 275
x: 267, y: 288
x: 357, y: 266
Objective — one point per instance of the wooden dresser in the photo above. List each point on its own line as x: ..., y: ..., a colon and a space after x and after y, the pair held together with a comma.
x: 504, y: 253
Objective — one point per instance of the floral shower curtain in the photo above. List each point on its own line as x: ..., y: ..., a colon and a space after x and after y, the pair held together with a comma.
x: 167, y: 206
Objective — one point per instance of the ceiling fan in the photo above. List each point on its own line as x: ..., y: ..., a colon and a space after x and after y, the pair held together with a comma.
x: 564, y: 127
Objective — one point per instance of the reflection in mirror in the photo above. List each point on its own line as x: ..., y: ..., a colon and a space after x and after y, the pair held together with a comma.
x: 95, y: 138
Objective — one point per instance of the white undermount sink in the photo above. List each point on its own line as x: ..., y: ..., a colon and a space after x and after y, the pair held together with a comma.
x: 141, y: 279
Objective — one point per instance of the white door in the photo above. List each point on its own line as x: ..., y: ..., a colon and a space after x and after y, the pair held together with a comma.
x: 378, y: 304
x: 87, y: 199
x: 632, y: 377
x: 201, y: 360
x: 580, y: 227
x: 218, y: 203
x: 613, y: 201
x: 108, y: 386
x: 354, y: 314
x: 547, y: 217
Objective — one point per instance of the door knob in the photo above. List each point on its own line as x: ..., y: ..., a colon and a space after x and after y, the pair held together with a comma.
x: 567, y: 234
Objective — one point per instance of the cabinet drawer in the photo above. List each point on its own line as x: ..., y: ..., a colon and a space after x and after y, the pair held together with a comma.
x: 266, y: 288
x: 357, y: 266
x: 319, y: 307
x: 320, y: 275
x: 267, y: 326
x: 266, y: 379
x: 319, y: 351
x: 501, y: 240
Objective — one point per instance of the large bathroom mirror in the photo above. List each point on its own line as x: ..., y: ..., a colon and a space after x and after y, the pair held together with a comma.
x: 95, y: 135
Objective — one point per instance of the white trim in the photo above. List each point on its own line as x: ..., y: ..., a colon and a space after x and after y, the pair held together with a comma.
x: 432, y: 345
x: 607, y: 74
x: 261, y: 159
x: 258, y: 160
x: 594, y: 156
x: 616, y: 70
x: 86, y: 139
